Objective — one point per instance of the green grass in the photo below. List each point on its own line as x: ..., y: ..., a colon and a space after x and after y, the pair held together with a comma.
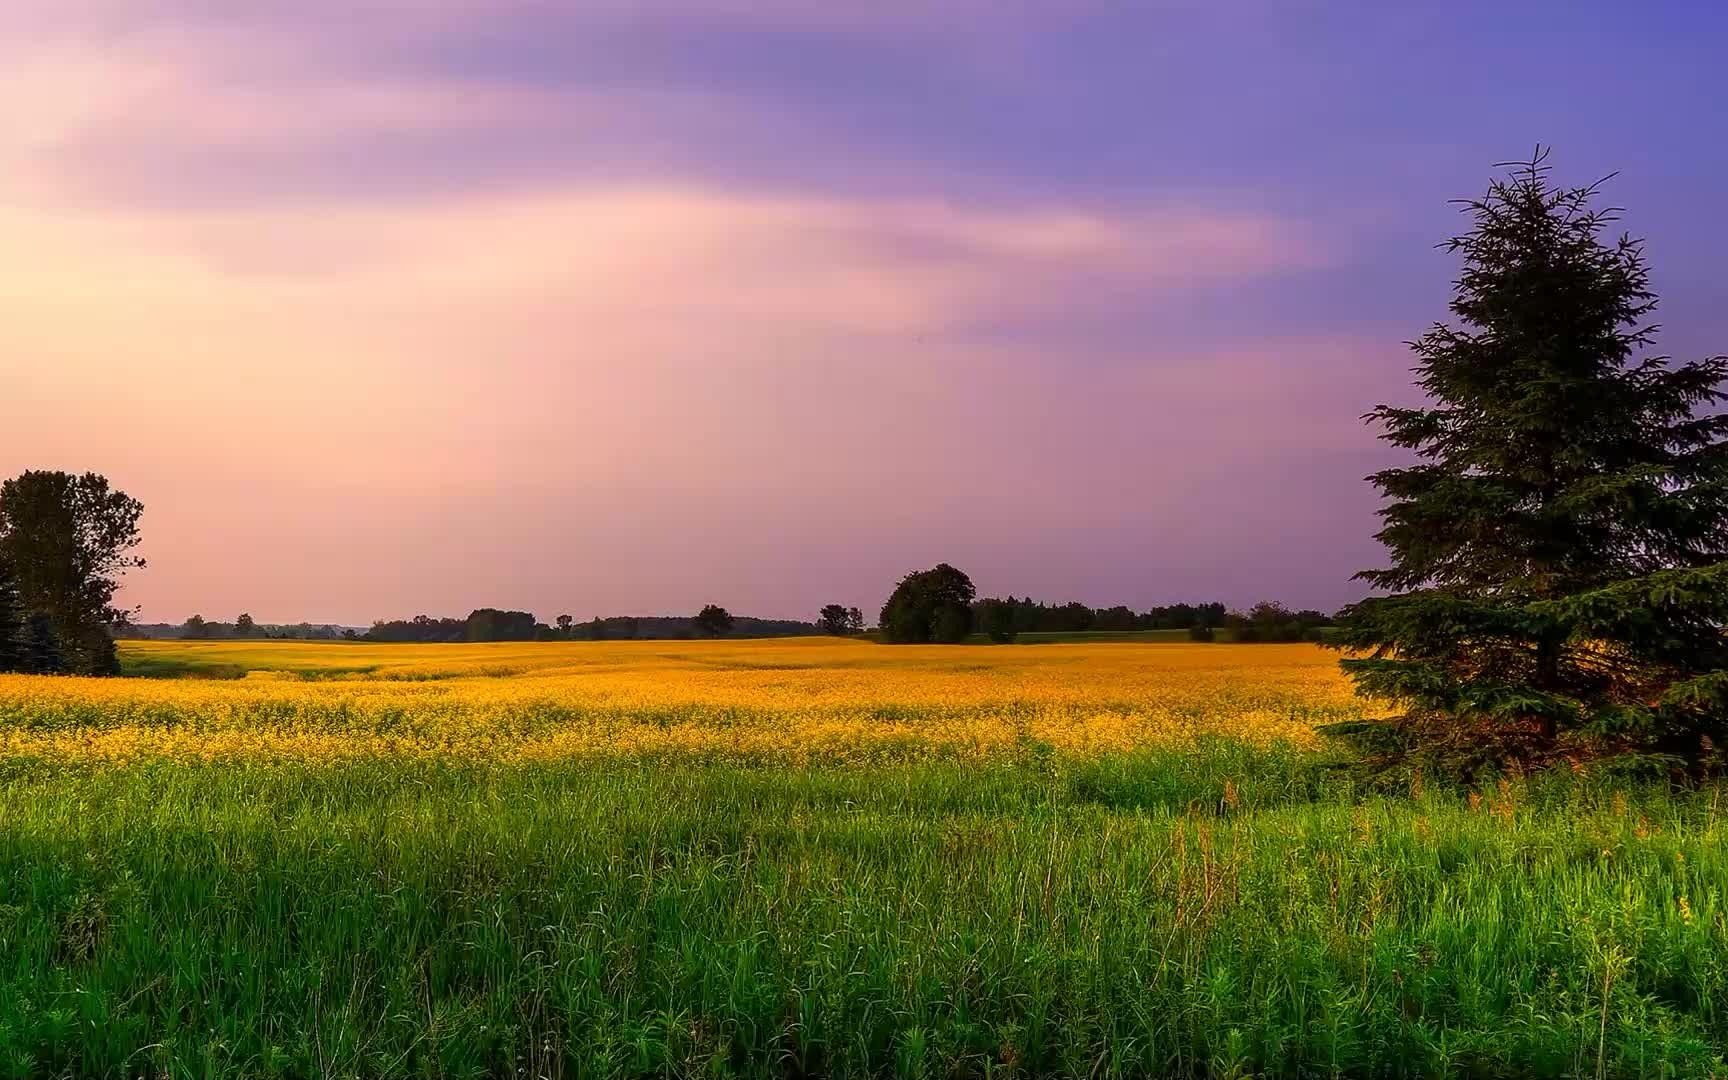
x: 1230, y: 912
x: 177, y: 667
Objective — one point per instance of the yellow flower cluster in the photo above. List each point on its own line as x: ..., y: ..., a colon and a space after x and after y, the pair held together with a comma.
x: 787, y: 700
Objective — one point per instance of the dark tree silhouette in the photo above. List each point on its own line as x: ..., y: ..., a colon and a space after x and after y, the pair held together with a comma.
x: 419, y: 628
x: 953, y: 624
x: 1031, y: 616
x: 832, y: 619
x: 195, y: 627
x: 11, y: 620
x: 1557, y: 548
x: 244, y: 626
x: 932, y: 605
x: 840, y: 620
x: 68, y: 539
x: 996, y: 619
x: 713, y: 620
x: 41, y: 653
x: 491, y: 624
x: 1270, y: 621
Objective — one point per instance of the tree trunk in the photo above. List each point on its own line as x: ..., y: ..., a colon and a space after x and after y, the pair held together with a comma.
x: 1547, y: 677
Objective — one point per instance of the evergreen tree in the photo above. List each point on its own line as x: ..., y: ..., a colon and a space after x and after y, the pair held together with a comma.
x: 41, y: 653
x: 1559, y: 547
x: 11, y: 621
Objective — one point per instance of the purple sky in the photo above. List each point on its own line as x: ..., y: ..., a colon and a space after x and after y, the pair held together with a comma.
x: 607, y: 306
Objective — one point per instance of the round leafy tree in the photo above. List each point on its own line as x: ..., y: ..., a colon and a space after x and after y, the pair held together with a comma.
x: 68, y: 540
x: 1558, y: 584
x: 714, y: 620
x: 932, y: 605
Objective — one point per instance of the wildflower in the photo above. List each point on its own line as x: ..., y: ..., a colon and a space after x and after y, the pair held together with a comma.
x: 785, y: 701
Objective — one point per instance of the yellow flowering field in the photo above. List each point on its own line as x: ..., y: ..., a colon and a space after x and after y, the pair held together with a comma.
x: 793, y: 700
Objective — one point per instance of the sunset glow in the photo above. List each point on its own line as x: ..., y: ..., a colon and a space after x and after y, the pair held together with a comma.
x: 402, y: 305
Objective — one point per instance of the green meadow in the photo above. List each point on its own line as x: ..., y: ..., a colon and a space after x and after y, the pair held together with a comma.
x: 1216, y: 911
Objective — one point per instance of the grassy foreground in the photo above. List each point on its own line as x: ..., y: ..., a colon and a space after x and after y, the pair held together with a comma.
x: 1129, y: 916
x: 1208, y: 906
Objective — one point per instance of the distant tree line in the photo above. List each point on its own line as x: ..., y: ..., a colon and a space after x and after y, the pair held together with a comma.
x: 198, y: 628
x: 718, y: 623
x: 1269, y: 621
x: 1027, y: 616
x: 482, y: 624
x: 939, y: 606
x: 65, y: 542
x: 492, y: 624
x: 423, y: 628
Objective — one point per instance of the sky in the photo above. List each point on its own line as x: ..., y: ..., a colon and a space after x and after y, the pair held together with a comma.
x: 385, y: 307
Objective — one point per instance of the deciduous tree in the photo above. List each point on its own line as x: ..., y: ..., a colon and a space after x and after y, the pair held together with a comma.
x: 714, y: 621
x: 492, y: 624
x: 839, y: 620
x: 932, y: 605
x: 69, y: 540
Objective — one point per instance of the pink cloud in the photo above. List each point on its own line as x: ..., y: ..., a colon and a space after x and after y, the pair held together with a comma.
x: 557, y: 393
x: 286, y: 388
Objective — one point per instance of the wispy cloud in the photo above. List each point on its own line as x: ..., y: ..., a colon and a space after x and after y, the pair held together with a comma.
x: 1079, y: 294
x: 615, y: 353
x: 198, y: 100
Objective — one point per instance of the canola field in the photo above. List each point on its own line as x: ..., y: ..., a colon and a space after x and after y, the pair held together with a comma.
x: 816, y: 858
x: 795, y: 700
